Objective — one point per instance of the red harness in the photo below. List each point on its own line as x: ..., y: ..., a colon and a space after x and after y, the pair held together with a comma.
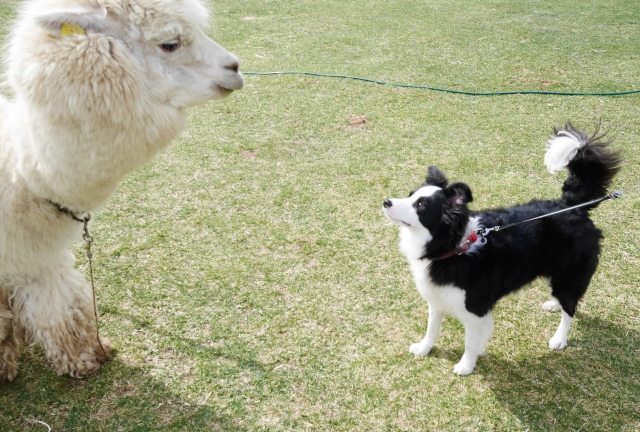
x: 464, y: 247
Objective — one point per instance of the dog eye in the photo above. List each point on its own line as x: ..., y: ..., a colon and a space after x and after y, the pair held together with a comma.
x: 171, y: 46
x: 420, y: 205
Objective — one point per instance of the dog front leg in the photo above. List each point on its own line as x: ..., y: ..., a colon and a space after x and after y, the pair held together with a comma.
x: 478, y: 331
x: 434, y: 326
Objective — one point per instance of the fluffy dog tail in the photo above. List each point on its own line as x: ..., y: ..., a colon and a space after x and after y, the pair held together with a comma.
x: 589, y: 160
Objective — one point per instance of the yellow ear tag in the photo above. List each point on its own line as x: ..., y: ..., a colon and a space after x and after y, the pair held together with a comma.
x: 70, y: 30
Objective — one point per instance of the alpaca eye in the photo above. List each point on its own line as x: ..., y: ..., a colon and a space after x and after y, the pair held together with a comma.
x: 171, y: 46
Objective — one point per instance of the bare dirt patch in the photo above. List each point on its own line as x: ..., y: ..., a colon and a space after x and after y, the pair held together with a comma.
x: 357, y: 121
x: 249, y: 154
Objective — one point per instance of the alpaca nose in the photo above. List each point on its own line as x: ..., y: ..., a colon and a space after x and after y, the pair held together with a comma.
x: 234, y: 66
x: 233, y: 78
x: 387, y: 203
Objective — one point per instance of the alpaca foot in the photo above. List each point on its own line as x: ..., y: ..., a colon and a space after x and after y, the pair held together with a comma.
x: 79, y: 367
x: 80, y: 360
x: 103, y: 350
x: 8, y: 357
x: 8, y: 364
x: 8, y: 373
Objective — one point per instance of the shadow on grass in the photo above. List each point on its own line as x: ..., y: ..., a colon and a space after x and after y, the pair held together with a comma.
x: 593, y: 385
x: 120, y: 397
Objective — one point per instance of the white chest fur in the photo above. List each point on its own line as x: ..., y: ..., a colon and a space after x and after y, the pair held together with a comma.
x: 449, y: 299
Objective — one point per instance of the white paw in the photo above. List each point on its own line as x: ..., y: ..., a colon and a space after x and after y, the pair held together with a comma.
x: 463, y: 368
x: 551, y: 306
x: 557, y: 343
x: 419, y: 349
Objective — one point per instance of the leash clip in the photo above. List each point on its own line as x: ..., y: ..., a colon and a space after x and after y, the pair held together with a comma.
x: 86, y: 236
x: 616, y: 194
x: 482, y: 233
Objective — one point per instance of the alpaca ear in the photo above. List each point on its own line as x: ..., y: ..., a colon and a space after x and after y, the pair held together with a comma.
x: 458, y: 193
x: 436, y: 177
x: 76, y: 20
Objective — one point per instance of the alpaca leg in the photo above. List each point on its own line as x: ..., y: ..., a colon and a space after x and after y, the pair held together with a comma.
x: 8, y: 343
x: 434, y: 326
x: 55, y: 310
x: 478, y: 330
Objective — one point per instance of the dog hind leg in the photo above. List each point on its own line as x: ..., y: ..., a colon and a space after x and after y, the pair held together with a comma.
x: 568, y: 288
x: 434, y: 326
x: 478, y: 331
x: 560, y: 338
x: 55, y: 310
x: 552, y: 305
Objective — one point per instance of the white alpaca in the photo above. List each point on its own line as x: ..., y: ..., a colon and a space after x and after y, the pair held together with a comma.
x: 101, y: 87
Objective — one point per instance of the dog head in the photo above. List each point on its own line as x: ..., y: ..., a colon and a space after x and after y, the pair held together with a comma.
x: 435, y: 215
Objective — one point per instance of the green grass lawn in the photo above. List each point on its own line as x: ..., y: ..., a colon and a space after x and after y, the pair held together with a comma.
x: 248, y: 278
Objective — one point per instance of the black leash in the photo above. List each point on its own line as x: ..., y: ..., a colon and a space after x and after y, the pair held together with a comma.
x: 482, y: 232
x: 86, y: 236
x: 65, y: 210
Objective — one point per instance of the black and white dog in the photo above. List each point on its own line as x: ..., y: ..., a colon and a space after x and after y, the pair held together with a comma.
x: 459, y: 275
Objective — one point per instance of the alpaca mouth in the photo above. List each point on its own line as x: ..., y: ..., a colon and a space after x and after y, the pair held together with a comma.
x: 229, y: 85
x: 225, y: 91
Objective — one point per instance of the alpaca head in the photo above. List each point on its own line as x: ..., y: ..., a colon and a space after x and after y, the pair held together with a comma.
x: 160, y: 42
x: 101, y: 86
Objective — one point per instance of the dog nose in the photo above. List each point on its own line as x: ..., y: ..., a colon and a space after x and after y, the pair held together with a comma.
x: 387, y: 203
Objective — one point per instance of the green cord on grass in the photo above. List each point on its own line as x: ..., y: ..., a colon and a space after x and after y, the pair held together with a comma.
x: 463, y: 92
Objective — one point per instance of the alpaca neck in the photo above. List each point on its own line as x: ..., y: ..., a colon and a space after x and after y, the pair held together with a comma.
x: 79, y: 162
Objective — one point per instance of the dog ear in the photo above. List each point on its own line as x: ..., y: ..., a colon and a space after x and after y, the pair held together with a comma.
x: 436, y: 177
x: 458, y: 193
